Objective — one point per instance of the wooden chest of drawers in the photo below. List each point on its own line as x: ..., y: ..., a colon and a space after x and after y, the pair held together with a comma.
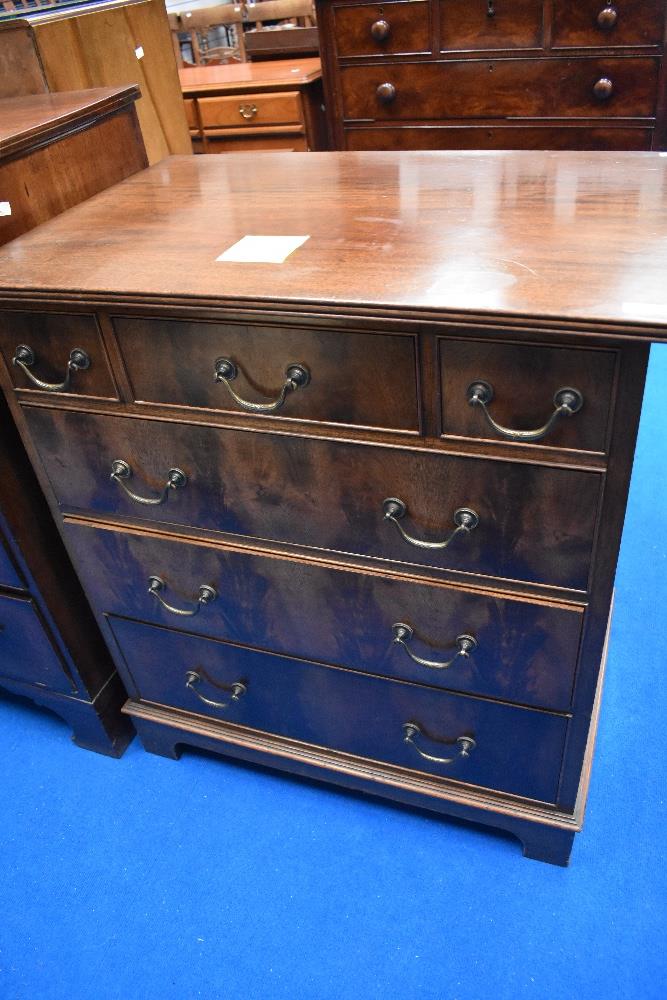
x: 494, y: 74
x: 355, y: 515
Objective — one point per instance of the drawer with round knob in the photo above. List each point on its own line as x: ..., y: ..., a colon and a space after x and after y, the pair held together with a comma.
x: 502, y: 88
x: 453, y: 737
x: 56, y: 353
x: 606, y: 23
x: 470, y: 25
x: 251, y: 110
x: 436, y: 634
x: 499, y: 136
x: 379, y: 29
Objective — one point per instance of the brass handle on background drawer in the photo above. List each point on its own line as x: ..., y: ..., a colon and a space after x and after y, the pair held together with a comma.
x: 380, y: 30
x: 247, y: 111
x: 464, y: 519
x: 296, y: 377
x: 206, y: 595
x: 386, y: 93
x: 465, y: 744
x: 567, y: 402
x: 603, y: 89
x: 120, y: 470
x: 237, y: 690
x: 24, y: 358
x: 403, y: 633
x: 607, y: 17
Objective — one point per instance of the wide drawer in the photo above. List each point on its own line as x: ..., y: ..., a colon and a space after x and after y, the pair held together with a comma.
x: 590, y: 23
x: 513, y: 750
x: 175, y: 362
x: 375, y: 29
x: 9, y: 576
x: 513, y: 88
x: 466, y: 25
x: 525, y: 382
x: 525, y: 652
x: 498, y: 137
x: 327, y: 494
x: 26, y: 653
x: 64, y: 352
x: 250, y: 110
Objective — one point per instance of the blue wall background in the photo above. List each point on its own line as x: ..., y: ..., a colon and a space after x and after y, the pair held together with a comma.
x: 146, y: 878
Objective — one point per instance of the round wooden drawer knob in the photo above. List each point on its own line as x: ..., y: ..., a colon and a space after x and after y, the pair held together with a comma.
x: 603, y: 89
x: 607, y: 18
x: 380, y: 30
x: 386, y: 93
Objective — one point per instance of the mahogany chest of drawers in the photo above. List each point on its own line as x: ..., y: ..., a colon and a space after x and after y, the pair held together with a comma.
x: 354, y: 515
x: 494, y: 74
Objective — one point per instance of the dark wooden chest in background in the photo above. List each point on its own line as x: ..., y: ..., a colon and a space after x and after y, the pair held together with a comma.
x: 494, y: 74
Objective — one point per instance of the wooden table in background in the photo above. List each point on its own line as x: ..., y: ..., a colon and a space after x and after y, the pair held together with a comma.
x: 249, y: 106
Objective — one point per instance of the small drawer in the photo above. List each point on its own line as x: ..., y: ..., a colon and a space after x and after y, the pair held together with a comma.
x: 467, y: 26
x: 9, y: 576
x: 339, y: 387
x: 478, y: 742
x: 59, y: 354
x: 597, y: 23
x: 329, y: 495
x: 26, y: 653
x: 258, y: 141
x: 251, y: 110
x: 499, y: 137
x: 191, y: 113
x: 379, y: 29
x: 523, y: 651
x: 517, y: 88
x: 525, y: 382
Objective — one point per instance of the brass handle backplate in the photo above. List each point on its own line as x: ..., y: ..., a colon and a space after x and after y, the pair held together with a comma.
x: 403, y: 633
x: 206, y: 594
x: 247, y: 111
x: 121, y: 470
x: 24, y: 358
x: 607, y: 17
x: 464, y: 519
x: 236, y: 690
x: 567, y: 402
x: 380, y: 30
x: 603, y: 89
x: 296, y: 377
x: 465, y: 744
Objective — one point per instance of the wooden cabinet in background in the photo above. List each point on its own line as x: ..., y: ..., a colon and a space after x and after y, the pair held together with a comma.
x: 493, y: 74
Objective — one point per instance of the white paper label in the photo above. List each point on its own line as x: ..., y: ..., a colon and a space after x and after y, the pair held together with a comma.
x: 262, y: 249
x: 5, y: 208
x: 139, y: 52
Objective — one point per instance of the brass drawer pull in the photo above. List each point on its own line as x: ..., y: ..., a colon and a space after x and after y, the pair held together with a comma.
x: 386, y: 93
x: 237, y: 690
x: 296, y: 377
x: 24, y: 358
x: 603, y: 89
x: 607, y: 17
x: 465, y: 744
x: 247, y: 111
x: 380, y: 30
x: 403, y: 633
x: 567, y: 402
x: 464, y: 519
x: 121, y: 470
x: 206, y: 595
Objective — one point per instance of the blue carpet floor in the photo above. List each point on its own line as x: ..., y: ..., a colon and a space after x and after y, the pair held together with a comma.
x: 147, y: 878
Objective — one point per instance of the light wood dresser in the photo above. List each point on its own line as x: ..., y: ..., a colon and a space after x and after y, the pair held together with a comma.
x: 355, y: 515
x: 494, y: 74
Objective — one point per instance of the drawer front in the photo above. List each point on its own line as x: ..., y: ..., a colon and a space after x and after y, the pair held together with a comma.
x: 525, y: 381
x: 340, y: 390
x: 501, y: 137
x: 191, y: 113
x: 516, y: 750
x: 26, y: 653
x: 525, y: 652
x: 52, y: 339
x: 378, y: 29
x: 9, y: 576
x: 504, y: 87
x: 468, y: 26
x: 600, y: 23
x: 251, y: 110
x: 330, y: 495
x: 258, y: 142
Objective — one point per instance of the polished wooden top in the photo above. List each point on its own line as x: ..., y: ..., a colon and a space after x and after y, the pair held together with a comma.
x: 570, y: 236
x: 38, y: 117
x: 264, y: 75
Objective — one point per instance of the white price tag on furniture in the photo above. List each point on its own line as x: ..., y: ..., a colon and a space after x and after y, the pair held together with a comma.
x: 262, y: 249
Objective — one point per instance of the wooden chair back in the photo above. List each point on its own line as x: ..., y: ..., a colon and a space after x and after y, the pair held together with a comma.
x: 299, y: 11
x: 199, y: 22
